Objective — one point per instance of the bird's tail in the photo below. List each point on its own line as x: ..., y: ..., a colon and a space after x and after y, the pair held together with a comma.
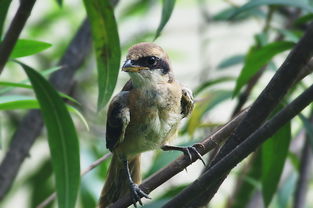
x: 116, y: 183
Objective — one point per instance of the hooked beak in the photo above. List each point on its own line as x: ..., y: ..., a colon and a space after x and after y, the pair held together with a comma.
x: 130, y: 67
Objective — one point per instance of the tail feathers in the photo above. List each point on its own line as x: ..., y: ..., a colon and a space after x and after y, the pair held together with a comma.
x: 116, y: 183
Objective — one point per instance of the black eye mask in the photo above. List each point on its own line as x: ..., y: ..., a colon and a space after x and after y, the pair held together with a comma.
x: 153, y: 63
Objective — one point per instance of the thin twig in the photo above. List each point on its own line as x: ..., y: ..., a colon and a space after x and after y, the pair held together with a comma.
x: 14, y: 30
x: 52, y: 197
x: 229, y: 161
x: 182, y: 162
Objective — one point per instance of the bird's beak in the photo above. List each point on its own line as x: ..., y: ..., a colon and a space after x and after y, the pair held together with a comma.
x: 130, y: 67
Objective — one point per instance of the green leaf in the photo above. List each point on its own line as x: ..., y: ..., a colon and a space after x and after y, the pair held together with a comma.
x: 257, y: 59
x: 210, y: 83
x: 62, y: 139
x: 274, y: 154
x: 4, y: 6
x: 14, y: 102
x: 25, y: 47
x: 302, y: 4
x: 231, y: 61
x: 167, y: 9
x: 107, y: 45
x: 227, y: 13
x: 247, y: 188
x: 44, y: 73
x: 27, y: 86
x: 60, y: 2
x: 287, y: 189
x: 213, y: 98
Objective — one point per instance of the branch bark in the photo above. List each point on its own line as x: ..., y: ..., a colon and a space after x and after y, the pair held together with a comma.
x: 15, y: 30
x: 284, y: 78
x: 31, y: 125
x: 204, y: 182
x: 182, y: 162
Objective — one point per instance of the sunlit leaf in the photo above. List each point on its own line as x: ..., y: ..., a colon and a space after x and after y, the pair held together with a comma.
x: 25, y: 47
x: 211, y: 100
x: 44, y: 73
x: 107, y: 45
x: 62, y: 139
x: 210, y: 83
x: 15, y: 102
x: 302, y: 4
x: 27, y: 86
x: 167, y: 9
x: 231, y: 61
x: 257, y: 59
x: 274, y: 154
x: 4, y: 6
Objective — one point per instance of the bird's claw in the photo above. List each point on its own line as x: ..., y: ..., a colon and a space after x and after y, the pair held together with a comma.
x: 192, y: 149
x: 137, y: 194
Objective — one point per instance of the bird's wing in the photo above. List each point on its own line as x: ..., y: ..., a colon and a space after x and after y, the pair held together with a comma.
x: 187, y: 102
x: 117, y: 120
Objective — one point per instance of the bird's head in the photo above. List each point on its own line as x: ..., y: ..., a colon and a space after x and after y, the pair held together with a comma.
x: 147, y: 63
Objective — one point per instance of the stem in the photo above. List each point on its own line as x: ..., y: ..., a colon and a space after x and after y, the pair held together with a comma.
x: 15, y: 30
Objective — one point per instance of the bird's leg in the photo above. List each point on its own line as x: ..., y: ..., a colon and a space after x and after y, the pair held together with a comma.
x: 188, y: 151
x: 135, y: 191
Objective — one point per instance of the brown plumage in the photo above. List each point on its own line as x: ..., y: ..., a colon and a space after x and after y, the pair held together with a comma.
x: 143, y: 116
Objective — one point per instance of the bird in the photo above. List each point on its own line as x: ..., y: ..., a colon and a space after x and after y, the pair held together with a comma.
x: 143, y: 116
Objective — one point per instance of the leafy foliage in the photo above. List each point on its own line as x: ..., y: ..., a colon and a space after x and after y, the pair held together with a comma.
x: 106, y: 41
x: 62, y: 137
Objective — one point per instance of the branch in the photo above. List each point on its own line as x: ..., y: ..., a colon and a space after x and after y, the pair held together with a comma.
x: 204, y: 182
x: 304, y: 177
x: 31, y: 125
x: 182, y: 162
x: 52, y: 197
x: 14, y: 30
x: 278, y: 86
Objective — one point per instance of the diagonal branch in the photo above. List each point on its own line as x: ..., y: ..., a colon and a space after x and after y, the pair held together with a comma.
x: 31, y: 125
x: 182, y: 162
x: 228, y: 162
x: 14, y: 30
x: 282, y: 81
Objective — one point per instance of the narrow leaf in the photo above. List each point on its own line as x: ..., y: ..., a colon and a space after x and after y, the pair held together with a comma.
x: 210, y: 83
x: 274, y: 154
x: 15, y: 102
x: 231, y: 61
x: 4, y: 6
x: 44, y: 73
x: 167, y: 9
x: 107, y: 45
x: 25, y: 47
x: 257, y: 59
x: 302, y: 4
x: 62, y: 139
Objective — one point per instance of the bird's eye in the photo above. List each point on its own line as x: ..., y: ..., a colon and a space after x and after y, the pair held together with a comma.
x: 151, y: 60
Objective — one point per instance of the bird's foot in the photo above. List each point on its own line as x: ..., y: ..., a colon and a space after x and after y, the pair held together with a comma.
x: 137, y: 194
x: 190, y: 151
